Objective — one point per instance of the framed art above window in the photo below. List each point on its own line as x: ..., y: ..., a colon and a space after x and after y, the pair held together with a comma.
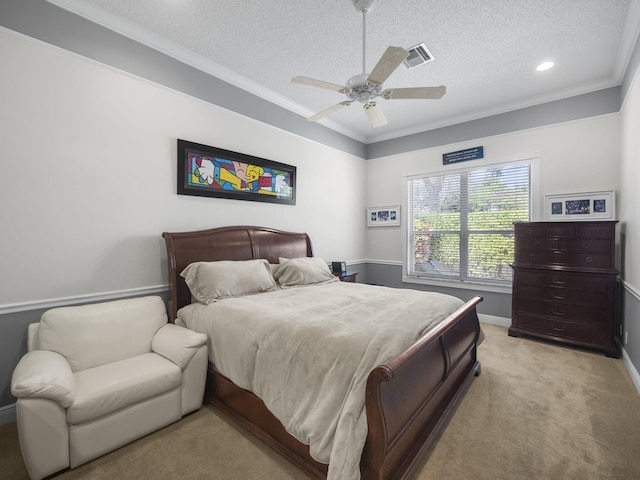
x: 580, y: 206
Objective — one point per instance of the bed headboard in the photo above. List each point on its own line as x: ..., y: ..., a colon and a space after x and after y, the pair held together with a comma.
x: 226, y: 243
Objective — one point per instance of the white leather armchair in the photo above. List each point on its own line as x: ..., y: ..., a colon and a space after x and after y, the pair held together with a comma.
x: 97, y: 377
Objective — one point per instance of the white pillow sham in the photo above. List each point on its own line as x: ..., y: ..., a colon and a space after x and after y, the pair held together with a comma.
x: 303, y: 271
x: 211, y: 281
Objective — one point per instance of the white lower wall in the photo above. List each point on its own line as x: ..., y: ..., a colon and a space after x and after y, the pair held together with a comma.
x: 88, y: 177
x: 629, y: 214
x: 630, y: 174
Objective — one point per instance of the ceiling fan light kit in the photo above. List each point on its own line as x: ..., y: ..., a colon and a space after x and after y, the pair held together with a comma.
x: 375, y: 114
x: 365, y: 87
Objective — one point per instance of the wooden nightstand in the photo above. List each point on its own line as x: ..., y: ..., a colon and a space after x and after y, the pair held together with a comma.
x: 347, y: 277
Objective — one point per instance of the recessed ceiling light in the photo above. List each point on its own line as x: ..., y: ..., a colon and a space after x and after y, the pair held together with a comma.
x: 544, y: 66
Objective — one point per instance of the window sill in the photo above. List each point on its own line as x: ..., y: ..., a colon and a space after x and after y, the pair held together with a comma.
x: 475, y: 286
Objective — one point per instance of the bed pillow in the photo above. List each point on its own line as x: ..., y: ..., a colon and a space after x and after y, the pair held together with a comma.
x: 303, y: 271
x: 211, y: 281
x: 274, y: 268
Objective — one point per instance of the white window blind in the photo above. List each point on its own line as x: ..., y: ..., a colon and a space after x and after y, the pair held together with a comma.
x: 461, y: 224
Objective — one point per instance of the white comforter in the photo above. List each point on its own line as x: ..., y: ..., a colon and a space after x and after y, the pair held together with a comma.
x: 307, y: 352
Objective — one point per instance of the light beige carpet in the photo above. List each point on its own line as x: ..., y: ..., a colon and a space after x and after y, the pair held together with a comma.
x: 538, y: 411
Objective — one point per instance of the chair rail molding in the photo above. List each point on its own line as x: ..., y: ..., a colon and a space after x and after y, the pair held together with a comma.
x: 88, y: 298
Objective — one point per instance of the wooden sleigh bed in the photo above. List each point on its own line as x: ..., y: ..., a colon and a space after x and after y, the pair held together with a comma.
x: 409, y: 400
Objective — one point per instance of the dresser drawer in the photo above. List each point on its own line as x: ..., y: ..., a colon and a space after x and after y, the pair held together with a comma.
x: 560, y: 230
x: 577, y: 281
x: 550, y: 278
x: 584, y: 260
x: 561, y: 294
x: 538, y: 244
x: 602, y: 230
x: 584, y: 245
x: 544, y: 230
x: 593, y: 334
x: 583, y: 314
x: 529, y: 230
x: 591, y: 230
x: 587, y: 245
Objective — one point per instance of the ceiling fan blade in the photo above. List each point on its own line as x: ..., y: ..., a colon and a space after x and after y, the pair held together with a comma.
x: 415, y: 92
x: 329, y: 110
x: 375, y: 114
x: 320, y: 83
x: 389, y: 61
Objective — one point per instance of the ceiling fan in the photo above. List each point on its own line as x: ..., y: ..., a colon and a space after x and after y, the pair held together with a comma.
x: 367, y: 86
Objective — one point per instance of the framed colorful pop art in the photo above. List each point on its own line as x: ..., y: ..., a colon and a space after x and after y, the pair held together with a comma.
x: 214, y: 172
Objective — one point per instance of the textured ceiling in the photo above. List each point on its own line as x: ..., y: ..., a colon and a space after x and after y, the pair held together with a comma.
x: 485, y: 51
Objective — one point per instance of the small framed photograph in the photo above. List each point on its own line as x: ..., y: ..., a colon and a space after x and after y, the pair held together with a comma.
x: 581, y: 206
x: 383, y: 216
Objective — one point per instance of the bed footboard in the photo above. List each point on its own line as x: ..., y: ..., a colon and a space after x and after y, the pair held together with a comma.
x: 410, y: 400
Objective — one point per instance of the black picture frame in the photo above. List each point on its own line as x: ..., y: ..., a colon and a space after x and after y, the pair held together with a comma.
x: 206, y: 171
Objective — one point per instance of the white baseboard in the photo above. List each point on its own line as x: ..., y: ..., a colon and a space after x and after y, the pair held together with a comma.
x: 492, y: 319
x: 633, y: 373
x: 8, y: 414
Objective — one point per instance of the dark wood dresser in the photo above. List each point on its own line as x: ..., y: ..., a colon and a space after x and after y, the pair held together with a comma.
x: 564, y: 282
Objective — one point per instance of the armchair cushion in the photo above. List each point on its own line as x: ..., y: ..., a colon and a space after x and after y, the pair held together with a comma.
x: 108, y: 388
x: 44, y: 374
x: 177, y: 344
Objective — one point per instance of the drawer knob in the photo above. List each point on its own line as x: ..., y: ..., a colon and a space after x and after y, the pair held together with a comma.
x: 557, y: 311
x: 585, y: 245
x: 589, y: 259
x: 558, y: 329
x: 559, y: 281
x: 529, y: 231
x: 559, y: 296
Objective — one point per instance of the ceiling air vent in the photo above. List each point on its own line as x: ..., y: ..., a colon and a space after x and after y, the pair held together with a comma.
x: 418, y: 55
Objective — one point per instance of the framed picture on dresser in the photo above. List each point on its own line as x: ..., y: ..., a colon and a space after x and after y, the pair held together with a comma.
x: 583, y: 206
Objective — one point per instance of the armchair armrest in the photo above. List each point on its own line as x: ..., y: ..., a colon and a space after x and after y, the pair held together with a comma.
x: 44, y: 374
x: 177, y: 344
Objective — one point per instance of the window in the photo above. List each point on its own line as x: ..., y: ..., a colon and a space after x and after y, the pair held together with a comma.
x: 461, y: 223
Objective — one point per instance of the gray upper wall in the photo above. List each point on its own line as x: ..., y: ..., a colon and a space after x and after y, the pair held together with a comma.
x: 573, y: 108
x: 48, y: 23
